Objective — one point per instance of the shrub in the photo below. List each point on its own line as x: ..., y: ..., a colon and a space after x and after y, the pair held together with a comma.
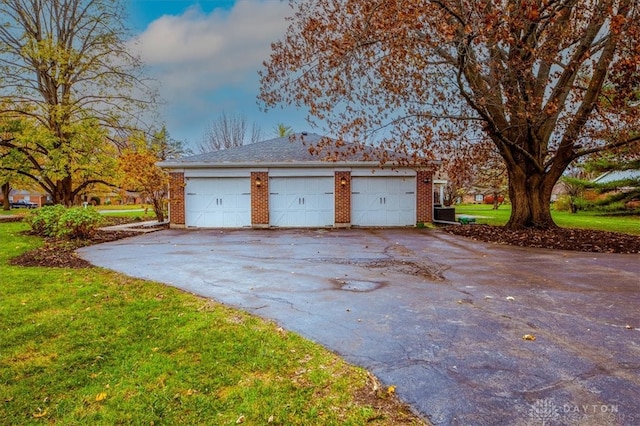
x: 44, y: 221
x: 612, y: 207
x: 60, y: 222
x: 563, y: 203
x: 78, y: 222
x: 582, y: 204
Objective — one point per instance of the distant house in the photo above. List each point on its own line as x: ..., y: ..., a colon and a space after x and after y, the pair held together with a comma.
x: 474, y: 195
x: 560, y: 189
x: 619, y: 175
x: 112, y: 198
x: 27, y: 195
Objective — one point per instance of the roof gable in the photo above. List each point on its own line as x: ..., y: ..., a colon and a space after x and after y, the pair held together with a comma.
x: 297, y: 148
x: 616, y: 175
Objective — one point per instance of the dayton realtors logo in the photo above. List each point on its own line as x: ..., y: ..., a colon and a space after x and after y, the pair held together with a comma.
x: 546, y: 412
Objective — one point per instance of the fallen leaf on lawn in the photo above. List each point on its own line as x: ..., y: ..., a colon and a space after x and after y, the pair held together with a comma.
x: 101, y: 396
x: 271, y: 419
x: 191, y: 392
x: 529, y: 337
x: 375, y: 383
x: 40, y: 414
x: 391, y: 390
x: 240, y: 420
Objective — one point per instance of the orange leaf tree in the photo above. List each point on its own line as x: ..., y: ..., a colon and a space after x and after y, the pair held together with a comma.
x: 546, y: 81
x: 139, y: 172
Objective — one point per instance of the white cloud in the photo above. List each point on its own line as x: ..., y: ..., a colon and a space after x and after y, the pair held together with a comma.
x: 208, y: 62
x: 194, y: 53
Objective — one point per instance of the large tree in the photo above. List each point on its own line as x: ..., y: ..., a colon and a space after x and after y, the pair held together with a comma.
x: 67, y: 72
x: 228, y: 131
x: 547, y: 81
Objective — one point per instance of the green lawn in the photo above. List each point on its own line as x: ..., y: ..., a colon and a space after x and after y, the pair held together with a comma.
x: 134, y: 211
x: 583, y: 219
x: 124, y: 207
x: 90, y: 346
x: 134, y: 214
x: 12, y: 212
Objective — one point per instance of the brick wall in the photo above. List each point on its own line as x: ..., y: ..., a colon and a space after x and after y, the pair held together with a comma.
x: 343, y: 198
x: 260, y: 199
x: 176, y: 199
x: 424, y: 196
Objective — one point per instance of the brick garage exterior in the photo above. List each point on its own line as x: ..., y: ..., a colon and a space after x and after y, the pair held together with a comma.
x: 260, y: 199
x: 424, y: 196
x: 176, y: 200
x: 342, y: 199
x: 281, y: 157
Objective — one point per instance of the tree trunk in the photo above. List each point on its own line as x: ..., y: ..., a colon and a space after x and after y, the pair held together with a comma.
x: 496, y: 203
x: 157, y: 208
x: 6, y: 189
x: 530, y: 201
x: 63, y: 192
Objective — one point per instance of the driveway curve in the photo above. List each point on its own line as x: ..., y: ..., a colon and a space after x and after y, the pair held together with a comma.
x: 470, y: 333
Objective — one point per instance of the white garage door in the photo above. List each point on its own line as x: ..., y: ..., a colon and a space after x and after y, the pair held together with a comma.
x: 218, y: 202
x: 301, y: 201
x: 383, y: 201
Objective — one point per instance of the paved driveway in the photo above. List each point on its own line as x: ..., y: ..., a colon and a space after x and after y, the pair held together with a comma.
x: 440, y: 317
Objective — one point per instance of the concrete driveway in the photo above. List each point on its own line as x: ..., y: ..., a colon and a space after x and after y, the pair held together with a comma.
x: 445, y: 319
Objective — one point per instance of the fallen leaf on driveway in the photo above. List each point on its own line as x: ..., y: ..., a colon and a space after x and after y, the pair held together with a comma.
x: 529, y: 337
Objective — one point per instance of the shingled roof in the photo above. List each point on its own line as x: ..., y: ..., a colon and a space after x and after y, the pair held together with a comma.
x: 296, y: 149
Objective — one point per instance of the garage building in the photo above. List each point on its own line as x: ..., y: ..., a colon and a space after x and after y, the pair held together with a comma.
x: 280, y: 183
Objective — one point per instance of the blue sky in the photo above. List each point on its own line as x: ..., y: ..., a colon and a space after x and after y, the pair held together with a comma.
x: 205, y: 56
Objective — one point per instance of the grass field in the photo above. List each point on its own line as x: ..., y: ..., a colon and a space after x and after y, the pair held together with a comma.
x: 12, y: 212
x: 135, y: 211
x: 586, y: 220
x: 125, y: 207
x: 89, y: 346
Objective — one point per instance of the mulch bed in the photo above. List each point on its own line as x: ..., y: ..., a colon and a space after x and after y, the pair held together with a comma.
x: 557, y: 238
x: 62, y: 253
x: 11, y: 218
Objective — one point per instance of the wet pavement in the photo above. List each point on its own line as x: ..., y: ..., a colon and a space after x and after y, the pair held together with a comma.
x: 444, y: 319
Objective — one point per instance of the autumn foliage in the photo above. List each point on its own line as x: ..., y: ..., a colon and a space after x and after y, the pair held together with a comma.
x: 545, y: 81
x: 140, y: 174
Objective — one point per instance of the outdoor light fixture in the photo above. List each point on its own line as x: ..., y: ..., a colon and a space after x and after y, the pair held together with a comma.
x: 258, y: 182
x: 343, y: 181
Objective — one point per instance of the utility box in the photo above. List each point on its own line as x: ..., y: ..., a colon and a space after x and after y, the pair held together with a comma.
x: 446, y: 214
